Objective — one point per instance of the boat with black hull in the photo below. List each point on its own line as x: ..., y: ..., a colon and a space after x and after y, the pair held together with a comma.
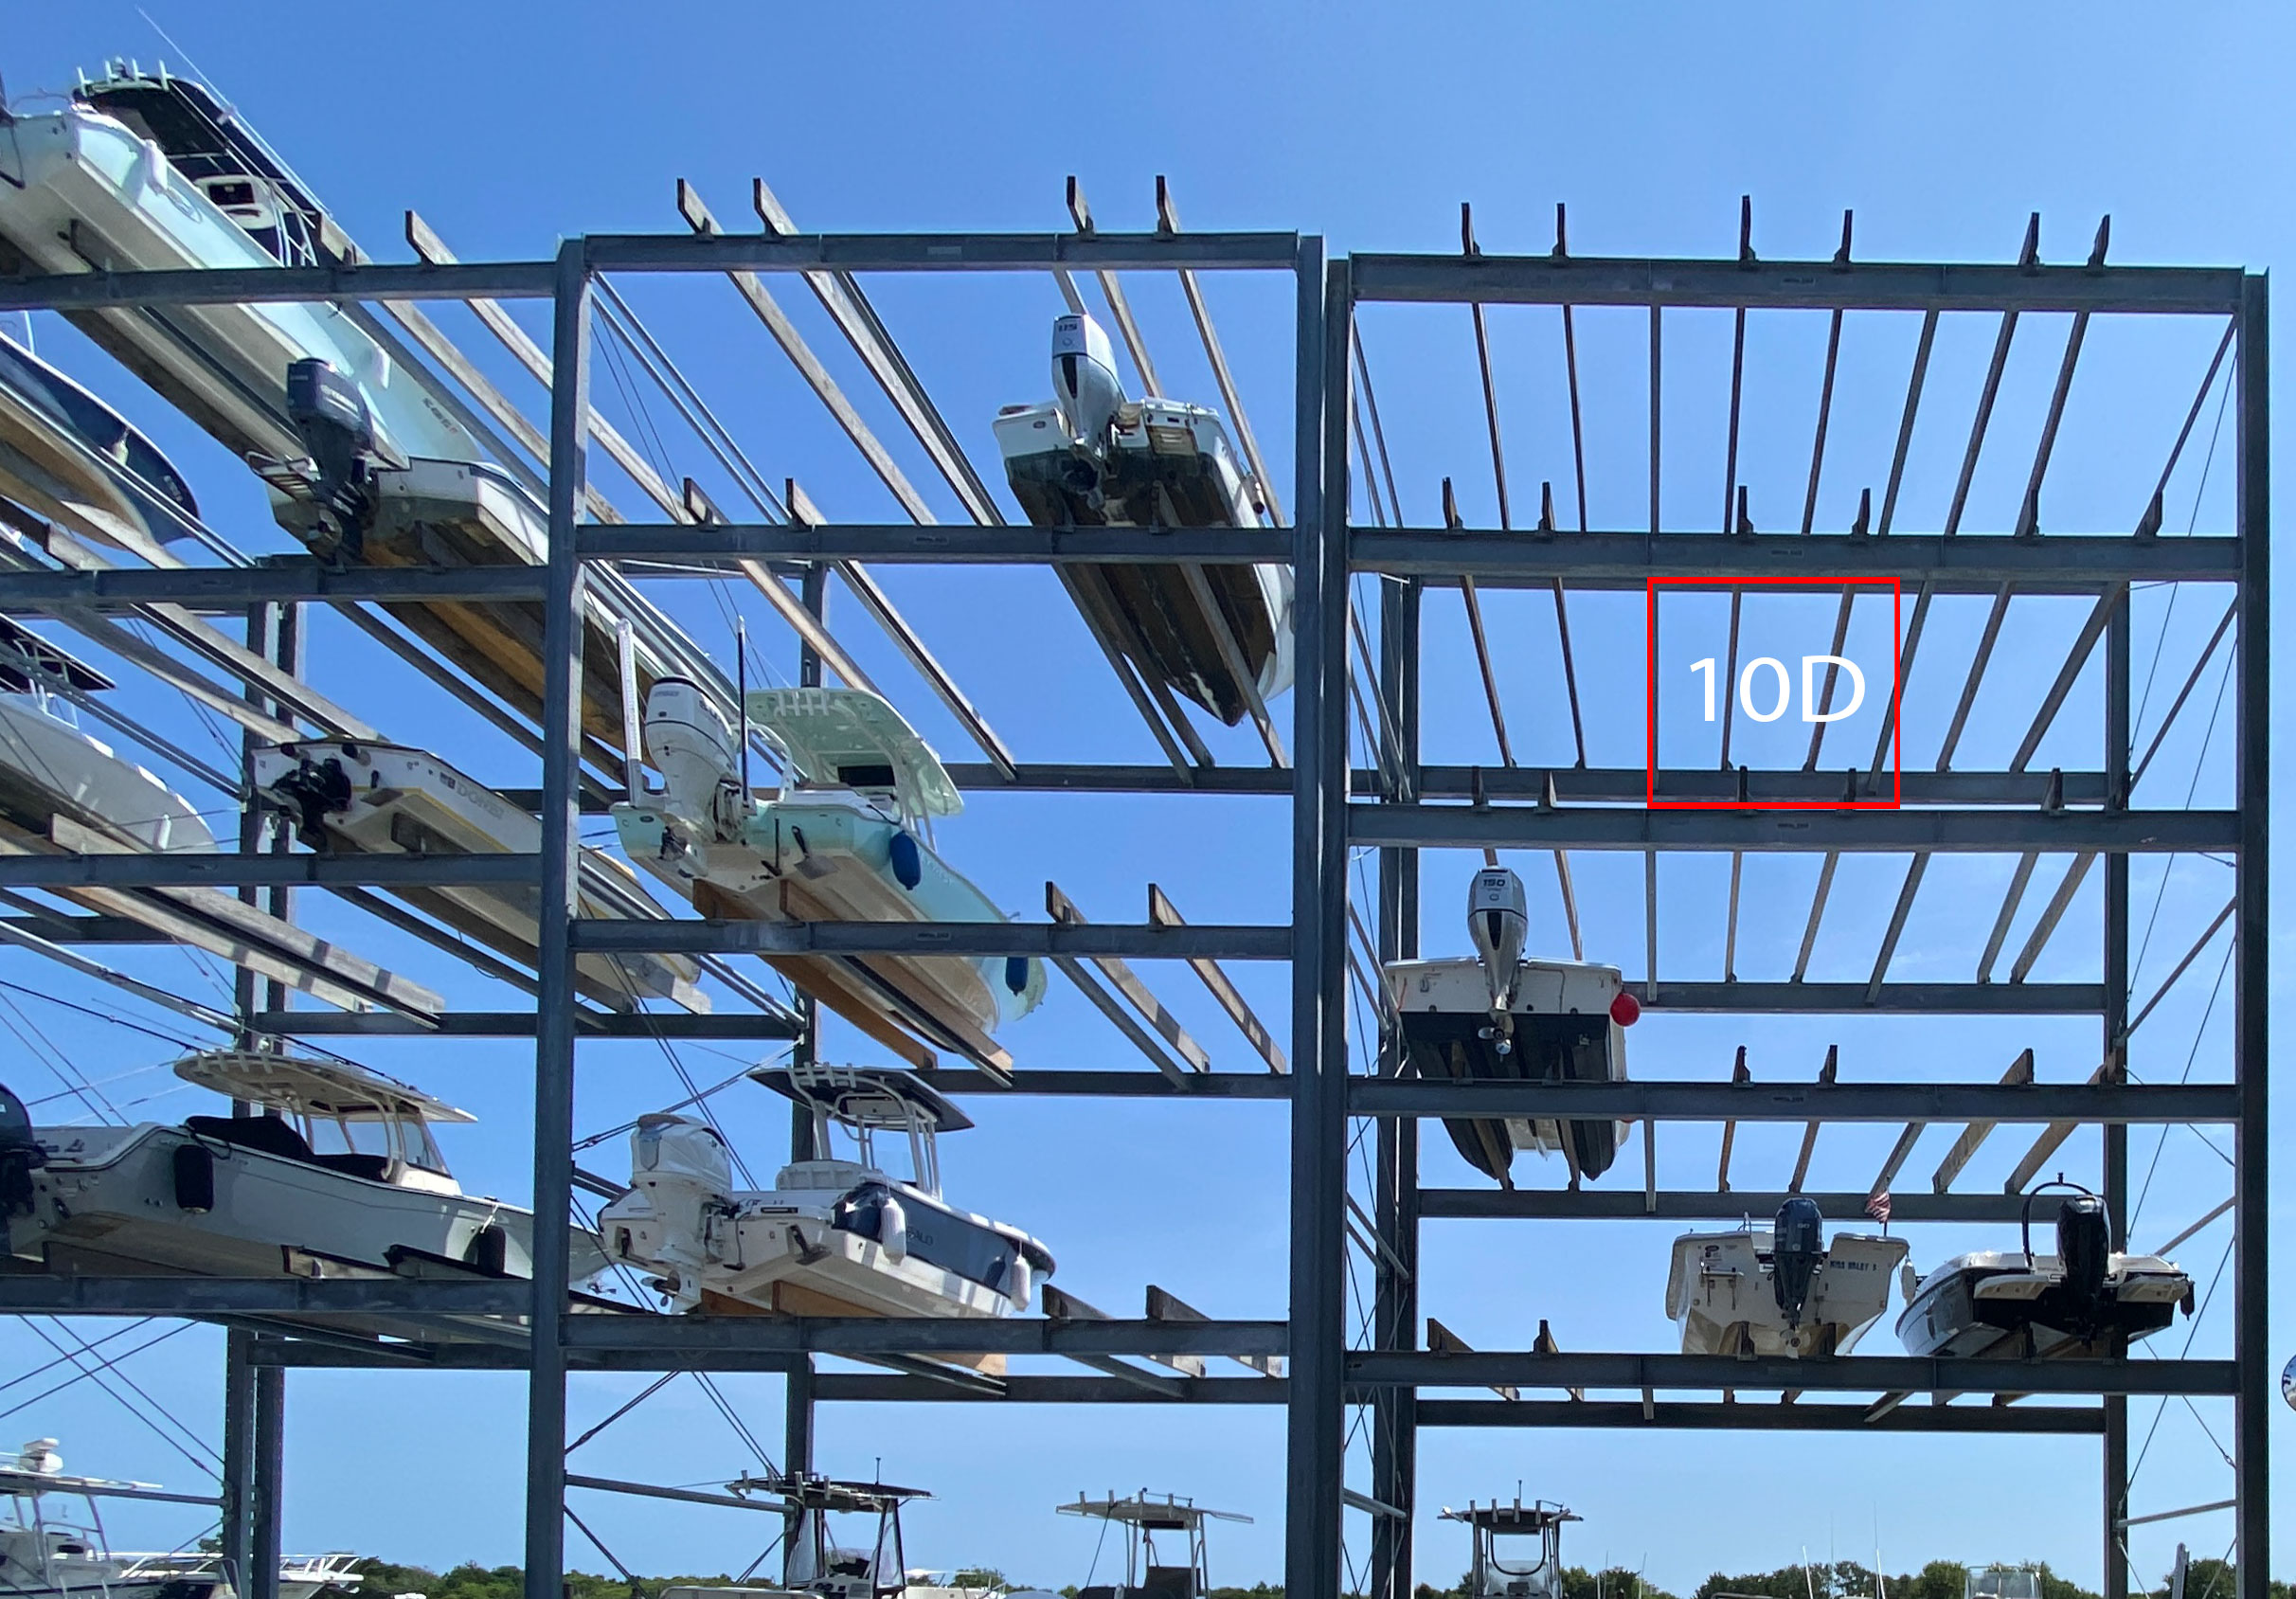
x: 1496, y: 1017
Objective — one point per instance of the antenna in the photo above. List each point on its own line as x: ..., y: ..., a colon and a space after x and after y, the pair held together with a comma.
x: 741, y: 695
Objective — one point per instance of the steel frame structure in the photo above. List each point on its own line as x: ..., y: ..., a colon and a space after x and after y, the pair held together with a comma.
x: 1397, y: 807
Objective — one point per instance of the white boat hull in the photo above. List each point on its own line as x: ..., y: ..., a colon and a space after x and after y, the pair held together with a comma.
x: 397, y: 800
x: 1719, y: 1292
x: 109, y: 1199
x: 47, y: 769
x: 1563, y: 1029
x: 2002, y: 1305
x: 88, y: 194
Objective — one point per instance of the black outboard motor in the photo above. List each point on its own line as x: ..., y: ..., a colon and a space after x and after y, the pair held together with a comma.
x: 1798, y: 1254
x: 331, y: 419
x: 20, y: 1157
x: 2084, y: 1253
x: 317, y: 789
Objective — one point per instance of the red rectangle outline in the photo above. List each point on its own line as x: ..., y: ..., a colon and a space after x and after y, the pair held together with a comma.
x: 1650, y: 709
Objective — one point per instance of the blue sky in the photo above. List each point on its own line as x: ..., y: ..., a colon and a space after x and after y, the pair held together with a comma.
x: 507, y: 127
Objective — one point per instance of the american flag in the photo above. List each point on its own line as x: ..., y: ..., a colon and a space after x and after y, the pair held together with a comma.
x: 1878, y: 1207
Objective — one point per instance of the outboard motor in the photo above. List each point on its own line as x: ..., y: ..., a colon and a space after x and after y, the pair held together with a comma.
x: 1797, y: 1252
x: 331, y: 418
x: 20, y: 1157
x: 2084, y: 1253
x: 679, y: 1178
x: 693, y: 744
x: 1497, y: 921
x: 317, y: 789
x: 1085, y: 383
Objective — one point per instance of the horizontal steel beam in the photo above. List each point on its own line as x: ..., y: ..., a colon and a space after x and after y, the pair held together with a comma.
x: 228, y: 869
x: 1797, y: 1102
x: 941, y: 252
x: 1966, y: 564
x: 1549, y: 1204
x: 1592, y: 785
x: 877, y: 1335
x: 979, y: 939
x: 733, y: 1026
x: 118, y: 588
x: 1142, y: 1084
x: 1904, y: 829
x: 1790, y: 285
x: 68, y: 928
x: 1849, y: 1373
x: 264, y: 285
x: 1857, y: 998
x: 28, y: 1294
x: 1746, y: 1416
x: 1155, y: 1389
x: 943, y: 544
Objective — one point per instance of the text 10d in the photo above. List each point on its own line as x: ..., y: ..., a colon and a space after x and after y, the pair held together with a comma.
x: 1811, y: 708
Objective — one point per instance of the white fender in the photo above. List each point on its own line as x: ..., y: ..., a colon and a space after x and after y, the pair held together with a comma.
x: 1019, y: 1282
x: 892, y: 1231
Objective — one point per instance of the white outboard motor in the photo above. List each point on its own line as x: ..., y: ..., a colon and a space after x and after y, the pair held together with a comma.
x: 680, y: 1177
x: 692, y: 744
x: 1497, y: 920
x: 1085, y: 383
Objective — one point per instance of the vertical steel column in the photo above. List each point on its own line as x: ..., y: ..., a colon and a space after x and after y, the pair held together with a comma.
x: 554, y: 996
x: 236, y: 1504
x: 797, y: 1387
x: 237, y: 1501
x: 266, y: 1541
x: 1396, y: 1428
x: 2116, y: 1045
x: 1314, y: 1408
x: 2252, y: 1357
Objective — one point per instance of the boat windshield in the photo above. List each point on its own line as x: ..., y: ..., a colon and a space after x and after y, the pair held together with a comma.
x: 2005, y: 1582
x: 401, y: 1137
x: 1518, y: 1554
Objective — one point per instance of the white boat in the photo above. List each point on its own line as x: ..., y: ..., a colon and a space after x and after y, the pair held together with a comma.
x: 1150, y: 1572
x: 1496, y: 1015
x: 384, y: 798
x: 1518, y: 1549
x: 851, y: 840
x: 49, y: 768
x: 339, y: 1169
x: 1784, y: 1290
x: 149, y: 171
x: 53, y: 1546
x: 152, y: 172
x: 2084, y: 1299
x: 68, y: 456
x: 1092, y: 458
x: 833, y: 1236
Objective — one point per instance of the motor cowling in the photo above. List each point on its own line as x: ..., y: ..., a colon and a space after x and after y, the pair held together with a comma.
x: 693, y: 746
x: 2085, y: 1251
x: 1797, y: 1252
x: 680, y: 1177
x: 331, y: 419
x: 1499, y: 919
x: 1085, y: 383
